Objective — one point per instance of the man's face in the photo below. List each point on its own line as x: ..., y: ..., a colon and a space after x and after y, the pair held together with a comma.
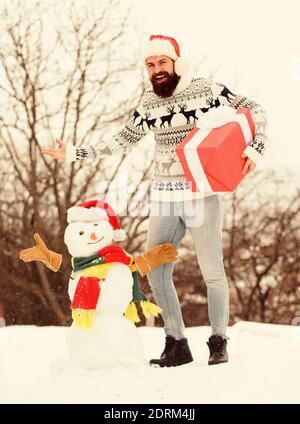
x: 161, y: 73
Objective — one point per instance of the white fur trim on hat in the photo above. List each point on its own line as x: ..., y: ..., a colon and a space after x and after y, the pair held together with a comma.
x: 79, y: 213
x: 119, y: 235
x: 181, y: 66
x: 159, y: 47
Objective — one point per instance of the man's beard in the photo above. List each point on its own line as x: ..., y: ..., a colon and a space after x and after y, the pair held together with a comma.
x: 167, y: 87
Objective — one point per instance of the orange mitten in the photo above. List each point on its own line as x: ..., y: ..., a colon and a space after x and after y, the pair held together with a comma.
x: 158, y: 255
x: 40, y: 252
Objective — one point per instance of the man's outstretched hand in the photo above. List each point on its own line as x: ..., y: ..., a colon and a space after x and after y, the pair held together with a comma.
x: 59, y: 154
x: 40, y: 252
x: 153, y: 258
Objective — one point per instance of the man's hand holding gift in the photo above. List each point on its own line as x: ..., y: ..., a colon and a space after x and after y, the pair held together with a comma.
x: 249, y: 165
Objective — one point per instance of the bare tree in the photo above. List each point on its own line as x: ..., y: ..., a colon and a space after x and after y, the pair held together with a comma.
x: 65, y: 70
x: 261, y: 244
x: 261, y: 237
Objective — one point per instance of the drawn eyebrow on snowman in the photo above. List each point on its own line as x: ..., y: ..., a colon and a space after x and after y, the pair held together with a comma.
x: 82, y: 232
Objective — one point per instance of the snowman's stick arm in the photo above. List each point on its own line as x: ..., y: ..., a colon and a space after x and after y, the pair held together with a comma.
x: 40, y: 252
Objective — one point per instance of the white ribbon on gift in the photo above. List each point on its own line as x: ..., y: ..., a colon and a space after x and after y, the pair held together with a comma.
x: 213, y: 118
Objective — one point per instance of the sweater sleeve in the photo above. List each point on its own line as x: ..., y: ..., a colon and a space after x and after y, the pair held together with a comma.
x: 133, y: 131
x: 222, y: 95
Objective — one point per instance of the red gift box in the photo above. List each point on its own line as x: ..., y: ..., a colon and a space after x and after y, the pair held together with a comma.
x: 211, y: 153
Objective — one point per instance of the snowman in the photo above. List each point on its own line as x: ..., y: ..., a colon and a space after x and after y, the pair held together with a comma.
x: 103, y: 287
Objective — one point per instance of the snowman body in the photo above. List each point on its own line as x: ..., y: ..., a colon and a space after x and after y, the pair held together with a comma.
x: 113, y: 339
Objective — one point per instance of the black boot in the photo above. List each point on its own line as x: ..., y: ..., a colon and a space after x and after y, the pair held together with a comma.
x: 170, y: 341
x: 178, y: 354
x: 217, y: 348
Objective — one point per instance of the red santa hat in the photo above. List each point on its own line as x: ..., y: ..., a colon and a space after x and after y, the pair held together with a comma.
x: 96, y: 210
x: 159, y: 45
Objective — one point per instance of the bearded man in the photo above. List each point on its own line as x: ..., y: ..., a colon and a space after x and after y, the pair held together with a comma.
x: 171, y: 108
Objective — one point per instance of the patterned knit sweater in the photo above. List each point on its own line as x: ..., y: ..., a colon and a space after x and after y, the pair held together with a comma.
x: 171, y: 119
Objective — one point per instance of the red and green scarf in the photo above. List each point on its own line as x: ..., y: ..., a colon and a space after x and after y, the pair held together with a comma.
x: 92, y: 270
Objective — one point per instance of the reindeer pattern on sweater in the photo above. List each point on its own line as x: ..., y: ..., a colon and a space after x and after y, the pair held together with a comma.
x: 171, y: 119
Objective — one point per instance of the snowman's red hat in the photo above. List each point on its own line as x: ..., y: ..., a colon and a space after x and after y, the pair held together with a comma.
x: 96, y: 210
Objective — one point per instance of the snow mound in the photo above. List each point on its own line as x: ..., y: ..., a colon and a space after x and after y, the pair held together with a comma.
x: 263, y: 367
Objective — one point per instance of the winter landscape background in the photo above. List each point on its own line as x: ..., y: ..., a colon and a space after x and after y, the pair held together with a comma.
x: 72, y: 70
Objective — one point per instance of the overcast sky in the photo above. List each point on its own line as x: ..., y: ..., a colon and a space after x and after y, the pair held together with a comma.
x: 258, y: 45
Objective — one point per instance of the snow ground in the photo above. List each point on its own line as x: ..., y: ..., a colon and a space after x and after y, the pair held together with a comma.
x: 264, y: 367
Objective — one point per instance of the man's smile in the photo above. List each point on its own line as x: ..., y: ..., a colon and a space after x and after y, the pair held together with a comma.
x: 161, y: 77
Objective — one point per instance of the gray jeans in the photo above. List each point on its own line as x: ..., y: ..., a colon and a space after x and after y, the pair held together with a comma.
x: 168, y: 222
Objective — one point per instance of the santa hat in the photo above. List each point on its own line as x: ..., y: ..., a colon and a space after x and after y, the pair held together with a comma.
x: 159, y: 45
x: 96, y: 210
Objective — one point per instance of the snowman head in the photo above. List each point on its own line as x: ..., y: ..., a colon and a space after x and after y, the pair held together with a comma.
x: 93, y: 225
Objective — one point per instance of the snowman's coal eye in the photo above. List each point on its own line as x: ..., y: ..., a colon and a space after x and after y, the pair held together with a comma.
x: 81, y: 232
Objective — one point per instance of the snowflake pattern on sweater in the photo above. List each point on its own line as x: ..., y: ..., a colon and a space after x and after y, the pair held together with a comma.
x: 171, y: 119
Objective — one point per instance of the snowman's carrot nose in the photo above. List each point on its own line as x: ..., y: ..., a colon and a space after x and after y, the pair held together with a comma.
x: 93, y: 236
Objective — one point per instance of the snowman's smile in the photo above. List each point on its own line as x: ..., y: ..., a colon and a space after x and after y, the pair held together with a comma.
x: 96, y: 241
